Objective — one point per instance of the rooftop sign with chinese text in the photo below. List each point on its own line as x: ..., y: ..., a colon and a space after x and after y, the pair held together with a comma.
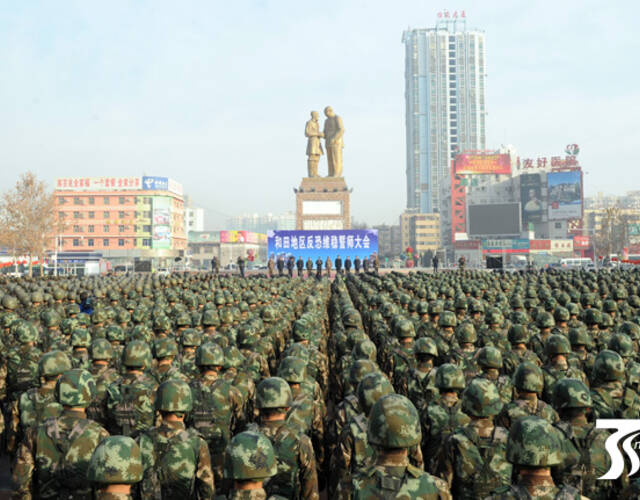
x: 323, y: 244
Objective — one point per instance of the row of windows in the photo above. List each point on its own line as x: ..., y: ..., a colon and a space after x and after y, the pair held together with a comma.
x: 106, y: 228
x: 106, y: 214
x: 91, y: 200
x: 91, y: 242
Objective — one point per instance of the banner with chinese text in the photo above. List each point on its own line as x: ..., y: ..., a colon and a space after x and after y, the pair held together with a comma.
x: 313, y: 244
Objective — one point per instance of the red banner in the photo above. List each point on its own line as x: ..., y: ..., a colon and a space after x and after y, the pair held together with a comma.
x: 581, y: 242
x: 540, y: 244
x: 467, y: 244
x: 478, y: 163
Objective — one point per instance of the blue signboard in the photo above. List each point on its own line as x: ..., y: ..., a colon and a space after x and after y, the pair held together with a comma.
x: 313, y: 244
x: 508, y: 244
x: 155, y: 183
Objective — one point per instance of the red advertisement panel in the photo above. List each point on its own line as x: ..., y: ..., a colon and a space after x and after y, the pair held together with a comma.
x: 581, y: 242
x: 468, y: 245
x: 468, y: 163
x: 540, y: 244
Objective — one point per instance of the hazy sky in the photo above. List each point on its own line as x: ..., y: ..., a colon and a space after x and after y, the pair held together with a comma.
x: 215, y: 94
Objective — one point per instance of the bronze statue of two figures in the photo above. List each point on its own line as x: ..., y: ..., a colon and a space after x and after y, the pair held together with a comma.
x: 332, y: 134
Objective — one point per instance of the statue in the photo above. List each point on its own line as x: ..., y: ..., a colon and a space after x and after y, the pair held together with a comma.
x: 314, y: 146
x: 333, y: 132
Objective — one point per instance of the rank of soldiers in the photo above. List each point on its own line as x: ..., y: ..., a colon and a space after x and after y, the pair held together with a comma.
x: 464, y: 385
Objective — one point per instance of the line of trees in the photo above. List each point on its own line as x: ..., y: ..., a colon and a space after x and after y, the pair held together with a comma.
x: 28, y: 219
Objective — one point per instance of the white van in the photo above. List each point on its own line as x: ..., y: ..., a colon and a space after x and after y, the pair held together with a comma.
x: 577, y: 263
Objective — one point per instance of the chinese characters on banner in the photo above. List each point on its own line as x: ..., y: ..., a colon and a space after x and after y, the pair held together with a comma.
x: 314, y: 244
x: 553, y: 162
x: 445, y: 14
x: 99, y: 183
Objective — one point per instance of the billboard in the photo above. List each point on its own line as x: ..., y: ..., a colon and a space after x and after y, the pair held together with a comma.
x: 478, y: 163
x: 98, y: 183
x: 161, y: 220
x: 565, y: 195
x: 313, y: 244
x: 495, y: 218
x: 155, y: 183
x: 581, y: 242
x: 531, y: 198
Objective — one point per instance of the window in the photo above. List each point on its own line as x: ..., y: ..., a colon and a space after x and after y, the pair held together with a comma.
x: 105, y: 228
x: 92, y: 215
x: 121, y: 242
x: 105, y: 242
x: 62, y: 200
x: 91, y: 228
x: 122, y: 200
x: 106, y: 215
x: 76, y: 229
x: 92, y: 200
x: 135, y: 229
x: 76, y: 215
x: 106, y: 200
x: 147, y: 214
x: 558, y: 225
x: 122, y: 214
x: 146, y: 229
x: 76, y: 242
x: 146, y: 242
x: 90, y: 242
x: 77, y: 200
x: 121, y: 228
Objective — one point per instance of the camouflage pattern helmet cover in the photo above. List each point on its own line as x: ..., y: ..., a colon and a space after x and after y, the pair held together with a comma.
x: 403, y: 329
x: 25, y: 331
x: 136, y: 354
x: 481, y: 398
x: 466, y: 333
x: 528, y: 377
x: 449, y: 377
x: 489, y: 357
x: 292, y: 369
x: 80, y: 337
x: 557, y: 344
x: 447, y: 319
x: 425, y: 345
x: 174, y: 396
x: 53, y: 364
x: 571, y: 393
x: 534, y: 442
x: 101, y: 349
x: 75, y: 388
x: 250, y: 456
x: 116, y: 460
x: 608, y: 367
x: 394, y: 423
x: 209, y: 354
x: 165, y: 347
x: 371, y: 388
x: 518, y: 334
x: 273, y: 392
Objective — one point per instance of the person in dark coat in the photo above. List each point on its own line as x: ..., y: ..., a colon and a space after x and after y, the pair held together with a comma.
x: 347, y: 265
x: 309, y: 267
x: 434, y: 261
x: 240, y: 262
x: 365, y: 265
x: 356, y: 264
x: 280, y: 266
x: 338, y: 264
x: 300, y: 266
x: 319, y: 268
x: 291, y: 262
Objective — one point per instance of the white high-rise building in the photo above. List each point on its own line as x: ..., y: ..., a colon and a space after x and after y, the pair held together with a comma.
x: 445, y: 105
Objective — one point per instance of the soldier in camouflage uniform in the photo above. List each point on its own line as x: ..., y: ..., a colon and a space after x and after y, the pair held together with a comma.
x: 53, y: 459
x: 445, y: 337
x: 518, y: 336
x: 557, y: 350
x: 101, y: 354
x: 249, y: 461
x: 80, y: 342
x: 217, y: 407
x: 394, y: 427
x: 533, y: 447
x: 297, y: 476
x: 166, y: 351
x: 421, y: 386
x: 489, y: 360
x: 402, y: 360
x: 610, y: 396
x: 472, y: 459
x: 115, y: 469
x: 176, y: 460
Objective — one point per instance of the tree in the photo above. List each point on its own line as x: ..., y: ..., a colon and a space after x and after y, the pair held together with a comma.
x: 28, y: 220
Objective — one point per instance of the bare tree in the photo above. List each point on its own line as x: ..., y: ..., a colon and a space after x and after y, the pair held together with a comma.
x: 28, y: 219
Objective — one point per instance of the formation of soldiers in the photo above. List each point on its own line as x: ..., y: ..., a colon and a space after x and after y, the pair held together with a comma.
x: 460, y: 384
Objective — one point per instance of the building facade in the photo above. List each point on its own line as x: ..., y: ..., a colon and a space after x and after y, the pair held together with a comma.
x: 420, y: 231
x: 389, y: 240
x: 194, y: 219
x: 445, y: 105
x: 226, y: 246
x: 262, y: 223
x: 122, y: 218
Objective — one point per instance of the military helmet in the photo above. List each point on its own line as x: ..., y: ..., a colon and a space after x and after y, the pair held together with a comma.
x: 516, y: 302
x: 174, y: 396
x: 557, y: 344
x: 75, y: 388
x: 116, y: 460
x: 80, y: 337
x: 136, y: 354
x: 518, y: 334
x: 608, y: 367
x: 561, y: 314
x: 359, y: 368
x: 461, y: 303
x: 371, y: 388
x: 101, y: 349
x: 50, y: 318
x: 53, y: 363
x: 528, y: 378
x: 210, y: 318
x: 449, y: 377
x: 67, y: 325
x: 425, y: 345
x: 351, y: 318
x: 165, y: 347
x: 571, y: 393
x: 622, y: 344
x: 579, y: 336
x: 435, y: 307
x: 446, y: 319
x: 609, y: 306
x: 25, y: 331
x: 364, y: 349
x: 394, y: 423
x: 593, y: 317
x: 495, y: 317
x: 631, y: 329
x: 183, y: 320
x: 250, y: 456
x: 544, y: 319
x: 403, y: 329
x: 533, y: 442
x: 115, y: 333
x: 273, y: 392
x: 301, y: 330
x: 466, y: 333
x: 191, y: 338
x: 292, y: 369
x: 209, y: 354
x: 422, y: 308
x: 481, y: 398
x: 9, y: 302
x: 8, y: 319
x: 489, y: 357
x: 98, y: 316
x: 519, y: 318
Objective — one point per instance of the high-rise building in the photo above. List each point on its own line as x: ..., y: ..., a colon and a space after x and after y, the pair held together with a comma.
x: 262, y: 223
x: 445, y: 105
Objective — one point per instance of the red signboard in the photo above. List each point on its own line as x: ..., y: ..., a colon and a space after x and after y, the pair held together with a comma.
x: 581, y: 242
x: 540, y: 244
x: 468, y: 245
x: 475, y: 163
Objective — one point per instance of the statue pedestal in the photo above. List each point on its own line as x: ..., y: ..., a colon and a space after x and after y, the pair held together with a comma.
x: 323, y: 203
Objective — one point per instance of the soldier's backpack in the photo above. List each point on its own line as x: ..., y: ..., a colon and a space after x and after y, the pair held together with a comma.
x: 22, y: 371
x: 285, y: 482
x: 486, y: 479
x: 211, y: 416
x: 127, y: 412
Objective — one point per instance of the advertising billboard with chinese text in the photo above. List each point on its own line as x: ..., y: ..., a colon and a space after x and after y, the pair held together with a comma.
x: 161, y: 219
x: 565, y: 195
x: 496, y: 163
x: 531, y: 198
x: 98, y: 183
x: 313, y: 244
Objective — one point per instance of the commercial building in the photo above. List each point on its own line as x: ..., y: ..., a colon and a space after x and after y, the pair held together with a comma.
x: 261, y: 223
x: 389, y: 240
x: 122, y: 218
x: 445, y: 104
x: 420, y: 231
x: 194, y: 219
x: 226, y: 246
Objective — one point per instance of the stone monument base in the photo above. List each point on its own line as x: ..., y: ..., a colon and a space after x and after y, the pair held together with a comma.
x: 323, y: 203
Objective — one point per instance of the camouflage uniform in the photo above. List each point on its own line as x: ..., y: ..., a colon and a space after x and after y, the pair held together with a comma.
x: 117, y: 460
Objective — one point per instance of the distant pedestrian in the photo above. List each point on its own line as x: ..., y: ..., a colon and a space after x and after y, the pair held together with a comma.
x: 338, y: 265
x: 271, y: 267
x: 240, y: 262
x: 347, y: 265
x: 291, y: 262
x: 281, y: 266
x: 365, y: 265
x: 309, y: 267
x: 356, y: 264
x: 300, y: 266
x: 215, y: 266
x: 376, y: 264
x: 434, y: 262
x: 319, y: 268
x: 328, y: 265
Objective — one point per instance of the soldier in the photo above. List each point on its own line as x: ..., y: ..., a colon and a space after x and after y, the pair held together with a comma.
x: 300, y: 266
x: 610, y: 397
x: 217, y: 407
x: 585, y: 458
x: 166, y: 351
x: 445, y: 338
x: 473, y: 460
x: 533, y: 447
x: 101, y: 353
x: 296, y: 477
x: 130, y: 398
x: 175, y: 459
x: 421, y: 384
x: 557, y: 350
x: 394, y: 427
x: 115, y: 469
x: 518, y: 336
x: 402, y: 359
x: 544, y: 322
x: 80, y: 341
x: 489, y: 360
x: 53, y: 459
x: 249, y: 461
